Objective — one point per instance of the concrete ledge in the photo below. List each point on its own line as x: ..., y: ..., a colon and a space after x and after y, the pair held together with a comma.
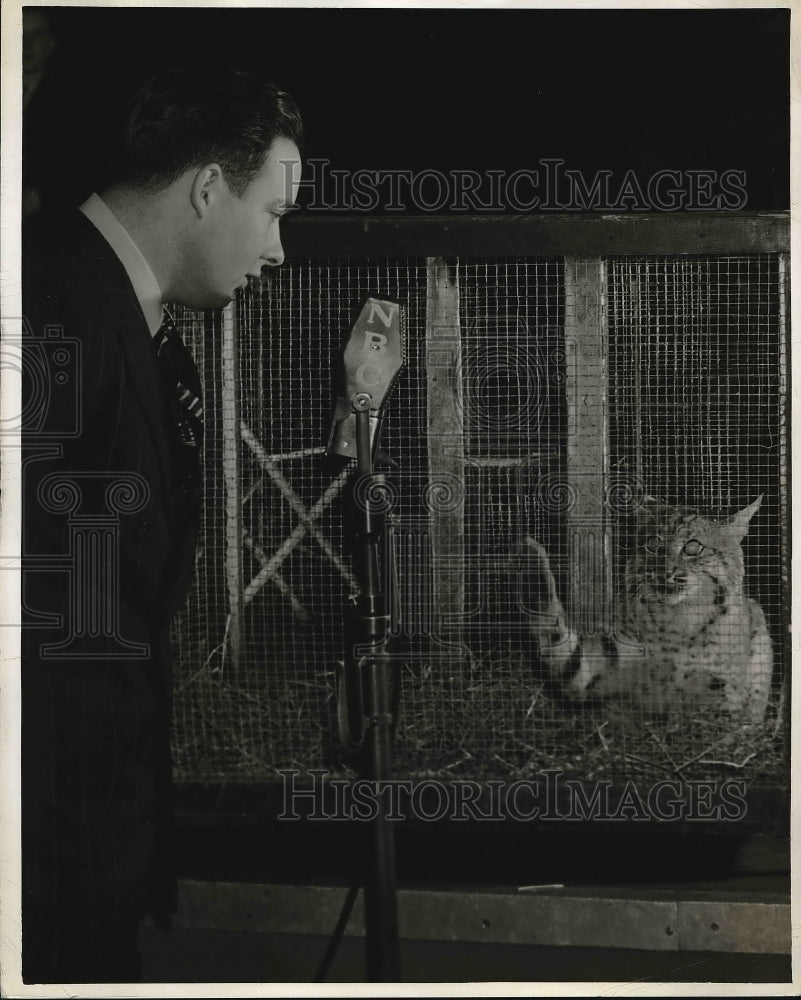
x: 650, y: 920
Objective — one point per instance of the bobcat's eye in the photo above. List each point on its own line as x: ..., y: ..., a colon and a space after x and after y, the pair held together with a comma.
x: 693, y: 547
x: 655, y: 544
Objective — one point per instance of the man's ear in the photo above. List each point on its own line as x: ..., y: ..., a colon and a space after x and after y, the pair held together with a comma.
x: 207, y: 184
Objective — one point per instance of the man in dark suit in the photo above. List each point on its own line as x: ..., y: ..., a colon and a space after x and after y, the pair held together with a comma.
x: 111, y: 454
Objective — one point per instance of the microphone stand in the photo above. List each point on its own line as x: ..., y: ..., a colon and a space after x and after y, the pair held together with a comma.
x: 369, y: 698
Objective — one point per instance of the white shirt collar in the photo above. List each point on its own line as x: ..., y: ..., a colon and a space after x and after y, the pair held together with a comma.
x: 137, y: 268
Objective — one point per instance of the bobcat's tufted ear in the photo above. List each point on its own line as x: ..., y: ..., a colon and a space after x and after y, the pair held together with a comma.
x: 738, y: 523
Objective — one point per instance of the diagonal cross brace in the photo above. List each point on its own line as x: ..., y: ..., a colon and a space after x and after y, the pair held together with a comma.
x: 305, y: 517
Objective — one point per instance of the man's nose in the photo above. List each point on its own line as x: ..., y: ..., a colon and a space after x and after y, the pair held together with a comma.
x: 274, y: 254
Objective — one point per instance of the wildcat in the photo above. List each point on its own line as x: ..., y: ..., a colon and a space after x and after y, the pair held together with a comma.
x: 688, y: 638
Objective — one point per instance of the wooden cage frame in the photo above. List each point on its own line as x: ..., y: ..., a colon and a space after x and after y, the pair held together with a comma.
x: 440, y: 246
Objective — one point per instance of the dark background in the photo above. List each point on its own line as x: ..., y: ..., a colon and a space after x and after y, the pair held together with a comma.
x: 447, y: 89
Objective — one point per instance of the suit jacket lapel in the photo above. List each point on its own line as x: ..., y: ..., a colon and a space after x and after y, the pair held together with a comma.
x: 127, y: 321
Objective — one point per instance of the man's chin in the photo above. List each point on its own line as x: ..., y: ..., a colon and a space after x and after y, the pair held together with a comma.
x: 216, y: 302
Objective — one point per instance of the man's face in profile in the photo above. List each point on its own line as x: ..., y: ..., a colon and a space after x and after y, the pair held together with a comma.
x: 241, y: 235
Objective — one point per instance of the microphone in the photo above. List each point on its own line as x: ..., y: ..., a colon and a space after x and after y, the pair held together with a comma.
x: 371, y: 361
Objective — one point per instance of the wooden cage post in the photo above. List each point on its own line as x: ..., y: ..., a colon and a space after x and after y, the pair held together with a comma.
x: 785, y: 518
x: 231, y: 446
x: 589, y: 565
x: 445, y: 446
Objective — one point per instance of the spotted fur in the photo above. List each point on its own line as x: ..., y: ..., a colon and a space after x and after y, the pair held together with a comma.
x: 689, y: 639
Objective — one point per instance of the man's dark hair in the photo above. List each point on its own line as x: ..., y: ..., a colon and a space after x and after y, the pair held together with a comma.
x: 187, y: 117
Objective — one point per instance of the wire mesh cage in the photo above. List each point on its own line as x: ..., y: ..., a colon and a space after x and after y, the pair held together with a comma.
x: 588, y: 518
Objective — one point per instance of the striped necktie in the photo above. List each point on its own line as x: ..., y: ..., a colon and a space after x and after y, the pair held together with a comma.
x: 181, y: 380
